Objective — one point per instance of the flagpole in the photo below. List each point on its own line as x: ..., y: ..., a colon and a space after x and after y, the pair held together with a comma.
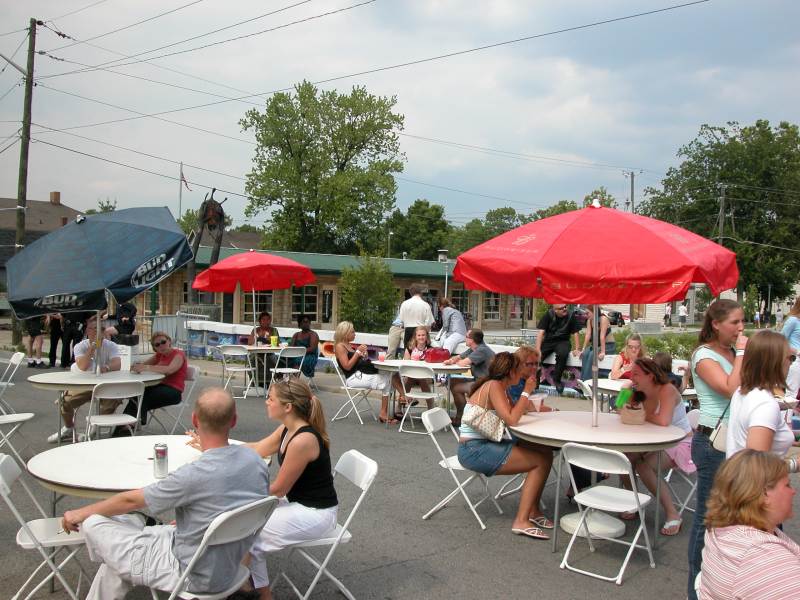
x: 180, y: 192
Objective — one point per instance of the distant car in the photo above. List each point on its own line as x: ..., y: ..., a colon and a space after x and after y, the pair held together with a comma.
x: 616, y: 317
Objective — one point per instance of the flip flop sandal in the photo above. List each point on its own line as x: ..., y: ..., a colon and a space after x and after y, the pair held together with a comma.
x: 390, y: 420
x: 670, y: 524
x: 542, y: 522
x: 533, y: 532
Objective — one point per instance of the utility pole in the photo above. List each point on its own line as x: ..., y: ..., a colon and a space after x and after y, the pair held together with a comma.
x: 25, y: 140
x: 721, y: 213
x: 633, y: 204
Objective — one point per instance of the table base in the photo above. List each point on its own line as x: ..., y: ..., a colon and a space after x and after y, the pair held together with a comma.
x: 599, y: 523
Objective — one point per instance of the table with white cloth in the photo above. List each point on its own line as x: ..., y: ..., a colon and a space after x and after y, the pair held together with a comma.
x: 611, y: 387
x: 262, y: 350
x: 102, y: 468
x: 393, y: 366
x: 554, y: 429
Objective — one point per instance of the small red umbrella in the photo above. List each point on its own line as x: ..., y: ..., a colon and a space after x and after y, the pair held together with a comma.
x: 598, y: 255
x: 253, y: 271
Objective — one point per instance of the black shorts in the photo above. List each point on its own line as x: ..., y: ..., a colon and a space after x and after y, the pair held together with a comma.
x: 33, y: 327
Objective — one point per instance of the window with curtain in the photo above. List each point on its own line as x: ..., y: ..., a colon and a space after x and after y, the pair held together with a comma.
x: 491, y: 306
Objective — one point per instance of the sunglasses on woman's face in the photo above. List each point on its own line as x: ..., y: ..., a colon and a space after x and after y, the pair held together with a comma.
x: 532, y: 364
x: 791, y: 358
x: 159, y: 344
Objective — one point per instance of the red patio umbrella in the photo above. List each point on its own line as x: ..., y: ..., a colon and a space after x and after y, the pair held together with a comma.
x: 597, y: 255
x: 253, y: 271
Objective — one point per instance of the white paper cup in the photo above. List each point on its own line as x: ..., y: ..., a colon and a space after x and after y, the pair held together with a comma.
x: 537, y: 400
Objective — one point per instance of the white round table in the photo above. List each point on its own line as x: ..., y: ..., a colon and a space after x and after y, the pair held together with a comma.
x: 255, y: 349
x: 102, y: 468
x: 555, y: 429
x: 393, y: 366
x: 81, y: 381
x: 611, y: 387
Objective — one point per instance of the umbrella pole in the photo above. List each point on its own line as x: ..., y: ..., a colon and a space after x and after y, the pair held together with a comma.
x: 255, y: 321
x: 97, y: 342
x: 595, y: 336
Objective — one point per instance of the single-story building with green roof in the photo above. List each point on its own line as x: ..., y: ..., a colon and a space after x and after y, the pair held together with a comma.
x: 489, y: 311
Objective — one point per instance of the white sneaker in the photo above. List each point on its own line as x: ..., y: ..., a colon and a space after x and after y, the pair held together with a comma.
x: 64, y: 435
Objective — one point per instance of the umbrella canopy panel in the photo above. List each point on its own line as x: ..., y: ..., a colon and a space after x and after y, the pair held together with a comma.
x: 253, y: 271
x: 597, y: 255
x: 123, y: 252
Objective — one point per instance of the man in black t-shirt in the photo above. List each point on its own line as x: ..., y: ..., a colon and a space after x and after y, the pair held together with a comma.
x: 554, y: 330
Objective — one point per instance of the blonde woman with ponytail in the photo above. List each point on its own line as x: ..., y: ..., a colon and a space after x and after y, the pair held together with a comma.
x: 304, y: 484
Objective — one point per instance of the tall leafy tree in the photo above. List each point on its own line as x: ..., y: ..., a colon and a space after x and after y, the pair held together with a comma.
x: 420, y: 232
x: 324, y: 168
x: 603, y: 195
x: 562, y: 206
x: 369, y: 298
x: 757, y: 168
x: 477, y: 231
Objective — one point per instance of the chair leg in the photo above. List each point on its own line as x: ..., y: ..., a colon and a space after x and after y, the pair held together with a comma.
x: 460, y: 488
x: 502, y: 493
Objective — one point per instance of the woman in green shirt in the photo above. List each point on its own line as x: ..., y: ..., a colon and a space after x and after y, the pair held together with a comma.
x: 716, y: 368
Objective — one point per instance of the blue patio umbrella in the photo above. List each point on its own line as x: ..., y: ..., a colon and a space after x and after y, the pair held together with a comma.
x: 77, y: 267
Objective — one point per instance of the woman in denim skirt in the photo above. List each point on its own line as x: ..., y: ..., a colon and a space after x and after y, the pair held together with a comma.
x: 716, y: 368
x: 507, y: 457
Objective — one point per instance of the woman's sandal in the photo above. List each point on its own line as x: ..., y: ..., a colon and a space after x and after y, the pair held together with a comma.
x: 388, y: 420
x: 534, y: 532
x: 542, y: 522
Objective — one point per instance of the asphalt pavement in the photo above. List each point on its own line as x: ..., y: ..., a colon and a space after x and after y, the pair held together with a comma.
x: 394, y: 553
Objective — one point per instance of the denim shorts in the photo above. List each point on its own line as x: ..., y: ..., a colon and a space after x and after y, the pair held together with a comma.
x: 484, y: 456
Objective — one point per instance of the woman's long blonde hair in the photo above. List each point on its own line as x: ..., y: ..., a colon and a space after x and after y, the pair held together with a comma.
x: 308, y: 407
x: 635, y: 337
x: 737, y: 497
x: 341, y: 332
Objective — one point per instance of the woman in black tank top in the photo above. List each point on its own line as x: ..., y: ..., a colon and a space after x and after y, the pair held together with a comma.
x: 307, y: 509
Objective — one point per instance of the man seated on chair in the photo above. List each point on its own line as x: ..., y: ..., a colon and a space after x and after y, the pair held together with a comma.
x: 477, y: 357
x: 86, y: 352
x: 223, y: 477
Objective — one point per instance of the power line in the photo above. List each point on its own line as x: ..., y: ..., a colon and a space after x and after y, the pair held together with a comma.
x: 764, y: 189
x: 11, y: 89
x: 118, y: 29
x: 8, y: 62
x: 75, y: 12
x: 217, y: 43
x: 141, y: 170
x: 11, y: 145
x: 738, y: 241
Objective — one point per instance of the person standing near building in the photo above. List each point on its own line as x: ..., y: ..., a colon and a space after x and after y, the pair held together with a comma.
x: 33, y: 343
x: 415, y: 312
x: 791, y: 331
x: 668, y: 315
x: 683, y: 312
x: 778, y: 318
x: 757, y: 320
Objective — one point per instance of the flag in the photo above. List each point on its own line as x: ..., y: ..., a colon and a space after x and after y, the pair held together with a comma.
x: 183, y: 180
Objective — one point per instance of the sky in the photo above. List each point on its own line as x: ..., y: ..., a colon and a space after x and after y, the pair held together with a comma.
x: 522, y: 124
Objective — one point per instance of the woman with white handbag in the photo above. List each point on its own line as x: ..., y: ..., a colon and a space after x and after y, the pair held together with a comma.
x: 485, y: 446
x: 716, y: 370
x: 756, y: 420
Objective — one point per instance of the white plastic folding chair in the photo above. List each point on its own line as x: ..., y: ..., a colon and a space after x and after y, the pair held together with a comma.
x: 355, y: 397
x: 604, y: 498
x: 416, y: 398
x: 6, y: 380
x: 694, y: 417
x: 360, y: 471
x: 175, y: 412
x: 232, y: 526
x: 44, y: 535
x: 435, y: 420
x: 236, y: 359
x: 279, y: 372
x: 114, y: 390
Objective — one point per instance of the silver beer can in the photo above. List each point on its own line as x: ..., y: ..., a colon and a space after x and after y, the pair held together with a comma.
x: 160, y: 461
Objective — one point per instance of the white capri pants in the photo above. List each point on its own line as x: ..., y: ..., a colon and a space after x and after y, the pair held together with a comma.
x: 290, y: 523
x: 131, y: 553
x: 451, y: 341
x: 793, y: 380
x: 371, y: 381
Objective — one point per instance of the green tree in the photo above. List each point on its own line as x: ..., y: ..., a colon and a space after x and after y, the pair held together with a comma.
x: 560, y: 207
x: 369, y: 298
x: 103, y: 206
x: 420, y: 232
x: 324, y: 168
x: 191, y: 219
x: 603, y: 195
x: 477, y: 231
x: 246, y: 228
x: 753, y: 164
x: 751, y: 303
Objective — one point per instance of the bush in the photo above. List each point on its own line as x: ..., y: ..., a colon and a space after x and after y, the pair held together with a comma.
x: 369, y: 298
x: 678, y: 345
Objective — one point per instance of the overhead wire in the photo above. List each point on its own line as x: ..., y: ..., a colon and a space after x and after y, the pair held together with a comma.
x: 75, y: 12
x: 8, y: 62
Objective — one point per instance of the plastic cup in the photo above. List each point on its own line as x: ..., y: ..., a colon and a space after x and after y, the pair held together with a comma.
x: 537, y: 399
x: 381, y: 356
x: 273, y: 341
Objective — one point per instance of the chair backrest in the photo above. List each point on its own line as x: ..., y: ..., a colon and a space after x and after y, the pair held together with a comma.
x: 192, y: 373
x: 434, y: 420
x: 593, y: 458
x: 232, y: 350
x: 338, y: 370
x: 9, y: 473
x: 230, y: 526
x: 586, y: 390
x: 292, y: 352
x: 16, y: 359
x: 693, y: 416
x: 361, y: 471
x: 417, y: 372
x: 118, y: 390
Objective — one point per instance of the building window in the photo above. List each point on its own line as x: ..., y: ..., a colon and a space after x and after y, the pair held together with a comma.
x: 202, y: 297
x: 304, y: 302
x: 491, y: 306
x: 263, y: 303
x: 515, y: 307
x: 460, y: 300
